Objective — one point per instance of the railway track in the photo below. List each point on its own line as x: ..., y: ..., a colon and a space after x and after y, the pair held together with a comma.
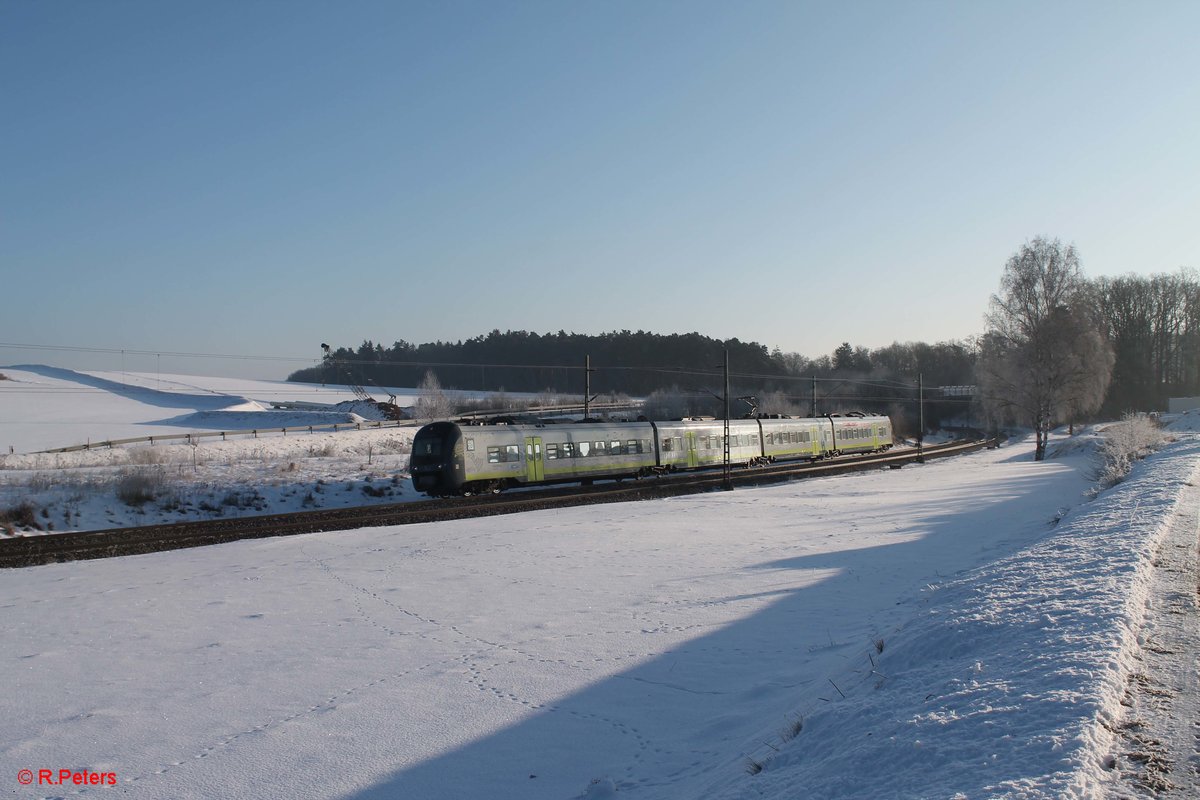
x: 50, y: 548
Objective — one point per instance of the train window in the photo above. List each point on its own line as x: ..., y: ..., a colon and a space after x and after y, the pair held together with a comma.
x: 615, y: 448
x: 678, y: 442
x: 428, y: 447
x: 568, y: 450
x: 512, y: 453
x: 754, y: 440
x: 666, y: 445
x: 585, y: 449
x: 551, y: 451
x: 493, y: 455
x: 633, y: 446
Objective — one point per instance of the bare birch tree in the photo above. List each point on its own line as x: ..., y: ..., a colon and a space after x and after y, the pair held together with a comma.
x: 1044, y: 359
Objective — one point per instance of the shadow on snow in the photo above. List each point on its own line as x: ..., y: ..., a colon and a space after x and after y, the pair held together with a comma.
x: 677, y: 723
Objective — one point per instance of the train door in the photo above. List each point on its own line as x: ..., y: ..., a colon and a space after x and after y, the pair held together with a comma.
x: 535, y: 467
x: 689, y: 444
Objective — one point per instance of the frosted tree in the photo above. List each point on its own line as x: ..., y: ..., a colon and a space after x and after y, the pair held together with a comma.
x: 432, y: 403
x: 1044, y: 359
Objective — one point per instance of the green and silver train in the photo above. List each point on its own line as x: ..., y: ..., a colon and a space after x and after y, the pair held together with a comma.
x: 460, y: 459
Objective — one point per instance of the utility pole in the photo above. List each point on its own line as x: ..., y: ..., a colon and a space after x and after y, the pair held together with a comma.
x: 727, y: 477
x: 587, y: 386
x: 812, y: 403
x: 920, y: 417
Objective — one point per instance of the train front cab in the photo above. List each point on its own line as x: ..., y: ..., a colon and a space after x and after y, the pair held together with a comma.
x: 437, y: 459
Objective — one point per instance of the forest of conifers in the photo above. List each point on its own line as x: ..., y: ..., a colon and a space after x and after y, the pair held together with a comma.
x: 1153, y: 326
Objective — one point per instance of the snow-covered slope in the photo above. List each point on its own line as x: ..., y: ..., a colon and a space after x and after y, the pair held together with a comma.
x: 49, y: 407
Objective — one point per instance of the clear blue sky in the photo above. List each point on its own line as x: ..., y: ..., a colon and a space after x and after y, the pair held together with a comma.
x: 260, y: 177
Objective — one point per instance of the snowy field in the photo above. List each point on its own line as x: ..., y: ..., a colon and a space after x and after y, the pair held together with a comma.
x: 46, y: 407
x: 967, y: 628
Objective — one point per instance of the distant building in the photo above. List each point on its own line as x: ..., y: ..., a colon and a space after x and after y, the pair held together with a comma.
x: 1177, y: 405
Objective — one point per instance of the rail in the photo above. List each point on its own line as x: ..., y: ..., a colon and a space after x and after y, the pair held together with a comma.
x: 58, y: 547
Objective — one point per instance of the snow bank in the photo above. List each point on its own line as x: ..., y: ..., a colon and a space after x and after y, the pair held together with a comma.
x: 1009, y: 683
x: 1188, y: 421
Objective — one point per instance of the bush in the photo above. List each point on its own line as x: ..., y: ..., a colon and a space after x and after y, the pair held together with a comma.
x: 138, y: 488
x: 147, y: 455
x: 22, y: 515
x: 1127, y: 441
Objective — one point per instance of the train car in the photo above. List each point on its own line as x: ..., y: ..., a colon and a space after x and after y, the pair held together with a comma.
x: 691, y: 444
x: 796, y: 438
x: 467, y: 459
x: 859, y: 433
x: 449, y: 458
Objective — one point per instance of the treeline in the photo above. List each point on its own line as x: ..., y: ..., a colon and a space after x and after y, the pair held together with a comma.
x: 682, y: 371
x: 521, y: 361
x: 1153, y: 325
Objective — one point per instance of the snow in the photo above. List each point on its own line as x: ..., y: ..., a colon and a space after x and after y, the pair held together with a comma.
x: 964, y: 628
x: 49, y: 407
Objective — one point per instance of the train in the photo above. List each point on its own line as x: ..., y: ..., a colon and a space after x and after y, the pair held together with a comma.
x: 460, y: 458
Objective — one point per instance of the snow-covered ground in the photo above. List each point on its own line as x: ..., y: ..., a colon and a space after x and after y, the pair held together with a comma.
x: 45, y: 407
x: 967, y: 628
